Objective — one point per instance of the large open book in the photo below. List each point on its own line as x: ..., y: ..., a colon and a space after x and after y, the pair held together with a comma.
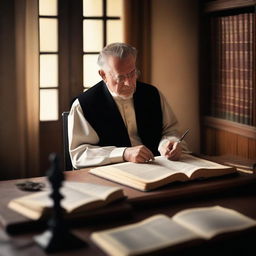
x: 160, y: 231
x: 78, y: 198
x: 161, y: 171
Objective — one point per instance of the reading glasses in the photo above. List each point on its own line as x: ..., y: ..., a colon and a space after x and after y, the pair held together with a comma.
x: 121, y: 78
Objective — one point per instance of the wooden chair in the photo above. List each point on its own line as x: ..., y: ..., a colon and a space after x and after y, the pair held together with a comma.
x: 67, y: 161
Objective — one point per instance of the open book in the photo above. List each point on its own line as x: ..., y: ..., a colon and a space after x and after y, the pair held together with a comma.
x: 160, y: 231
x: 78, y: 198
x: 161, y: 171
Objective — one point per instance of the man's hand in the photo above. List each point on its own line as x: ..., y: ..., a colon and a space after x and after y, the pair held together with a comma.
x: 138, y: 154
x: 171, y: 150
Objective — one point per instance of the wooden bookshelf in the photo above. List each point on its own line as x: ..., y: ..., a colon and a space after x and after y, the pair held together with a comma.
x: 228, y: 125
x: 222, y: 5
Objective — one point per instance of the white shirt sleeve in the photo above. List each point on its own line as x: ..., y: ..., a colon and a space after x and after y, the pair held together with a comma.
x: 83, y: 141
x: 170, y: 125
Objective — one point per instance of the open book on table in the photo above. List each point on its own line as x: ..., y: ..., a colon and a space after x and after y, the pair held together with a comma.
x: 161, y: 171
x: 160, y: 231
x: 78, y: 199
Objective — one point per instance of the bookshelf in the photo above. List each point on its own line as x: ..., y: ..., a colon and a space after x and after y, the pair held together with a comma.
x: 228, y: 78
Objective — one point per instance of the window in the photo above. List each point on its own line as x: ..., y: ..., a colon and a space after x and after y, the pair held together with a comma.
x: 48, y: 45
x: 71, y: 35
x: 102, y: 24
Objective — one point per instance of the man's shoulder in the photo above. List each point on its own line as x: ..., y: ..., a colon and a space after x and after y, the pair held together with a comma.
x: 145, y: 87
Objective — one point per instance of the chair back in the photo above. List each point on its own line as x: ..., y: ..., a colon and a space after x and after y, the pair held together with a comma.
x: 67, y: 161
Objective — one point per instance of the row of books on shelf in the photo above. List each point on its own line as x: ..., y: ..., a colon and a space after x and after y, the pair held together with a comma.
x: 232, y: 61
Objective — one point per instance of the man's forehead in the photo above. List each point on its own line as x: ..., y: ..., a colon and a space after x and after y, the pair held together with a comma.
x: 121, y: 64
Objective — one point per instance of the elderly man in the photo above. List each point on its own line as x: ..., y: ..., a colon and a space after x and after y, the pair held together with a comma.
x: 119, y: 118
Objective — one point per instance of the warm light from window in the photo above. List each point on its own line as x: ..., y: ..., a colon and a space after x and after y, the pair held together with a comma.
x: 115, y: 8
x: 48, y: 46
x: 48, y: 7
x: 91, y: 76
x: 93, y: 35
x: 48, y: 35
x: 48, y: 104
x: 92, y: 7
x: 48, y: 70
x: 114, y: 31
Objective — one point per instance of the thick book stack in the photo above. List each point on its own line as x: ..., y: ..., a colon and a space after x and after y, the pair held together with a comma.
x: 233, y: 67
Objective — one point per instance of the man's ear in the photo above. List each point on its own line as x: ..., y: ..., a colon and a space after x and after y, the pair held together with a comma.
x: 102, y: 74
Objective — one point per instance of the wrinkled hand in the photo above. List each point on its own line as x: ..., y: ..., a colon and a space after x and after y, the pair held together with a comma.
x: 138, y: 154
x: 171, y: 150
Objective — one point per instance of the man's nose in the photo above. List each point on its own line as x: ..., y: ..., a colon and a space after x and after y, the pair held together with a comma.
x: 128, y: 81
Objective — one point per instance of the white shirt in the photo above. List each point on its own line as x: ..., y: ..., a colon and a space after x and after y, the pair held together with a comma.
x: 83, y: 139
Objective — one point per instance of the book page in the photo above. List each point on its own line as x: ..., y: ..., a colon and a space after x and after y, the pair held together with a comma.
x: 36, y: 205
x: 95, y: 190
x: 158, y: 169
x: 142, y: 172
x: 210, y: 221
x: 78, y: 197
x: 189, y: 164
x: 72, y: 199
x: 149, y: 235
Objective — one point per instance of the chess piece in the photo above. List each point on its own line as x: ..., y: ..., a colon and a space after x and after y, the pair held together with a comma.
x: 57, y: 237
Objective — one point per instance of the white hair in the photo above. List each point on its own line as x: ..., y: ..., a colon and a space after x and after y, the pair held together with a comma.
x: 120, y: 50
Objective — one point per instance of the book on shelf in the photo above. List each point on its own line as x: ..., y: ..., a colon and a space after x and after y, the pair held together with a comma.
x: 79, y: 198
x: 161, y: 171
x: 161, y: 231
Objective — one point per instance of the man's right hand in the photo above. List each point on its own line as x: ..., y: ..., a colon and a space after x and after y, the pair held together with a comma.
x: 138, y: 154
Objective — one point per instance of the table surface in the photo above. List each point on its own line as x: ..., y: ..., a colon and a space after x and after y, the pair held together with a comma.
x: 236, y: 192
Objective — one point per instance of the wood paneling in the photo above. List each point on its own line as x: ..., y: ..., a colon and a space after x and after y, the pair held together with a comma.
x: 221, y: 142
x: 252, y: 149
x: 50, y: 141
x: 242, y: 146
x: 210, y: 136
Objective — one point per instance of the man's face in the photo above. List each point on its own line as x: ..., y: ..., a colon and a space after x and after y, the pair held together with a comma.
x: 121, y: 76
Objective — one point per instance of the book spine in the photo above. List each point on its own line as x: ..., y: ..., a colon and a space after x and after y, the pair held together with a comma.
x: 251, y: 91
x: 215, y: 65
x: 254, y: 69
x: 222, y: 108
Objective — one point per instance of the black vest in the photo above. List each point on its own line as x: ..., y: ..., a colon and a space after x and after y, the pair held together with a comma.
x: 101, y: 111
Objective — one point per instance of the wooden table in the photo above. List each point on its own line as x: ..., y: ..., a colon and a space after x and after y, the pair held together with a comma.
x: 235, y: 191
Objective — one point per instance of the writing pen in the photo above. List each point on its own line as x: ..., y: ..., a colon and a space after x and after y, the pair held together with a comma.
x: 183, y: 135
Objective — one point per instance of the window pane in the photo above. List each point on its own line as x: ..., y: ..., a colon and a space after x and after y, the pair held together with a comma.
x: 48, y: 104
x: 115, y: 8
x: 48, y: 7
x: 91, y: 76
x: 93, y: 35
x: 114, y: 31
x: 48, y: 35
x: 92, y: 7
x: 48, y: 70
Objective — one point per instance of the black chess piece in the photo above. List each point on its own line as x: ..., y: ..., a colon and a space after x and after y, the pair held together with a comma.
x: 57, y: 237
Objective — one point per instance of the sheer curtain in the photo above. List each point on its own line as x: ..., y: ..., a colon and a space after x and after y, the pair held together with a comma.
x: 19, y: 132
x: 137, y: 22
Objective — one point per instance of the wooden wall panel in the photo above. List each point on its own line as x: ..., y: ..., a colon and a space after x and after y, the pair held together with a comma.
x: 220, y: 142
x: 252, y: 149
x: 242, y: 146
x: 209, y: 148
x: 222, y: 137
x: 226, y: 143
